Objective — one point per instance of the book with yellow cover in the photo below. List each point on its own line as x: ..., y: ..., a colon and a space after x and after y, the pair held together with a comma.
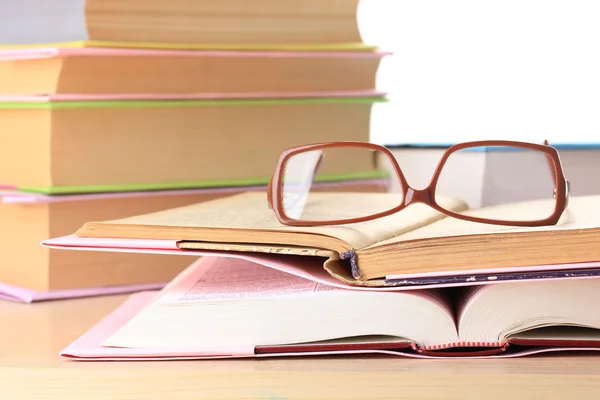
x: 84, y: 146
x: 200, y: 24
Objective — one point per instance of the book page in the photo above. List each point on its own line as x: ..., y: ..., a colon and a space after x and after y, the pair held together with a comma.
x: 222, y: 279
x: 543, y: 309
x: 250, y: 211
x: 583, y: 213
x: 223, y: 303
x: 562, y: 333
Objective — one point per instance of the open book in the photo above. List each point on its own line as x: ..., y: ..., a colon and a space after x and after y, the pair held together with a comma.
x: 223, y: 307
x: 417, y: 241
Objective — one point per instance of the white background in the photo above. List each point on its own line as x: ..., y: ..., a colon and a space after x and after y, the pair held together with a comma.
x: 482, y: 69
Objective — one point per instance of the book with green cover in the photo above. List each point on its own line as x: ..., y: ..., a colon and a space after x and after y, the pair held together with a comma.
x: 65, y: 147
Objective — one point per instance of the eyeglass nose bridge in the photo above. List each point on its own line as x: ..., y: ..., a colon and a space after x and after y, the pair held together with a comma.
x: 413, y: 196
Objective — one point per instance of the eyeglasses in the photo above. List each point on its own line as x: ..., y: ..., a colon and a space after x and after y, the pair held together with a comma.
x: 524, y: 184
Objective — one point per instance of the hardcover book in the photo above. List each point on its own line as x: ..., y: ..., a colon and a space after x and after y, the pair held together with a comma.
x: 415, y: 242
x: 183, y: 23
x: 84, y: 146
x: 66, y: 73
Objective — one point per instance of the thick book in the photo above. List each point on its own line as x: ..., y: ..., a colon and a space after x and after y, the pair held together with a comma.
x: 183, y: 23
x: 221, y: 308
x: 84, y: 146
x: 29, y: 271
x: 415, y: 242
x: 113, y: 73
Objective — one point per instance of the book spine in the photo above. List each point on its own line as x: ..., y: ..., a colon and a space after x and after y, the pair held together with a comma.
x: 465, y: 349
x: 351, y: 256
x: 462, y: 344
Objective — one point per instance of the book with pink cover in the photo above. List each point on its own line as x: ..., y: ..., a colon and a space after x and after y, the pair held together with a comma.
x: 26, y: 295
x: 12, y: 195
x: 222, y: 307
x: 28, y: 53
x: 85, y: 73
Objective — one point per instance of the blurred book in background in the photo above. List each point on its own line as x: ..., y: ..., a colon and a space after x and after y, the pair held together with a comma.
x: 489, y: 177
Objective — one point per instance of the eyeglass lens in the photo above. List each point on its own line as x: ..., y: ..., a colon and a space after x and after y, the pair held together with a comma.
x: 331, y: 168
x: 492, y: 179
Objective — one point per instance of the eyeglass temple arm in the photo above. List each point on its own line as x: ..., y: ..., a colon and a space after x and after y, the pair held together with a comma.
x: 555, y: 177
x: 269, y: 189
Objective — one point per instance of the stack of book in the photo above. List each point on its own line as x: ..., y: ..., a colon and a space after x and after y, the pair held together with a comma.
x: 413, y: 283
x: 113, y: 109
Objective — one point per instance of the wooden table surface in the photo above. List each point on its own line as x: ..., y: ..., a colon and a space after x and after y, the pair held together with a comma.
x: 30, y: 368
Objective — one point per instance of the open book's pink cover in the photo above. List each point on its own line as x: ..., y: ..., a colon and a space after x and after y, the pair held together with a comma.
x: 89, y: 347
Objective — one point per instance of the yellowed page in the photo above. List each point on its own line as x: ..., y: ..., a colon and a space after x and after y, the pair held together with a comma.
x: 249, y: 211
x: 583, y: 213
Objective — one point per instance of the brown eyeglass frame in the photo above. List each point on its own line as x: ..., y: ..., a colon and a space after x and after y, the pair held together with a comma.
x: 427, y: 195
